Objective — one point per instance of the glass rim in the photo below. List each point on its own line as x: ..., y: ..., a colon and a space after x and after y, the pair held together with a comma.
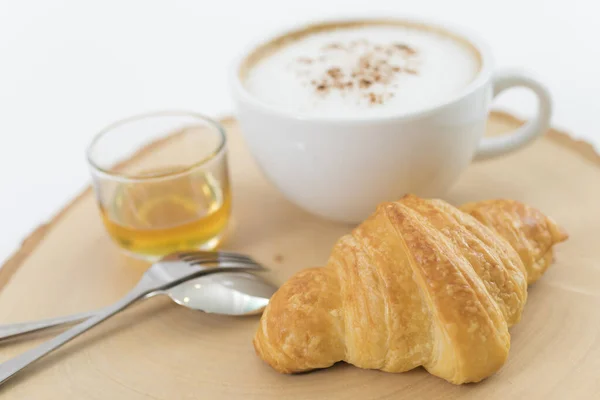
x: 219, y: 148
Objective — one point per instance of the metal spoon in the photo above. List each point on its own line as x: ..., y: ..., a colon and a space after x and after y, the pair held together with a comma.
x: 228, y: 293
x: 169, y: 271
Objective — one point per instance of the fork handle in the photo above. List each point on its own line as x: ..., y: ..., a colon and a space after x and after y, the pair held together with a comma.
x: 9, y: 368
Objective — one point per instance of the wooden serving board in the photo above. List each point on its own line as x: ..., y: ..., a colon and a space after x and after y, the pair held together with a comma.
x: 157, y: 350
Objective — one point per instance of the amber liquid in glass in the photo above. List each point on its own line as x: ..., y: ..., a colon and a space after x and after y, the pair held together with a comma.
x: 164, y: 215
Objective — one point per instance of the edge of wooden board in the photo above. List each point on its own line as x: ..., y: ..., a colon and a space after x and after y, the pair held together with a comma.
x: 29, y: 244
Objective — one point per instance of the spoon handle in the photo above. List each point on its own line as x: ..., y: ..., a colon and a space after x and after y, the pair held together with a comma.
x: 10, y: 331
x: 11, y: 367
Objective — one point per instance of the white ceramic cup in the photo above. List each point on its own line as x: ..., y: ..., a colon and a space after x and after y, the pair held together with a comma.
x: 342, y: 168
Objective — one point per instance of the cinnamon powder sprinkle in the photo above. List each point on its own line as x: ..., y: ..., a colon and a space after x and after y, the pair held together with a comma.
x: 365, y: 83
x: 404, y: 47
x: 305, y: 60
x: 333, y: 46
x: 335, y: 73
x: 373, y: 75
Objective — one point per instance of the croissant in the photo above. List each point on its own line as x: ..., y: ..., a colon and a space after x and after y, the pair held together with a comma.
x: 419, y: 283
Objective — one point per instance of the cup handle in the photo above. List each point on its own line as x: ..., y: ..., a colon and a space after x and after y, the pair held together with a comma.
x: 490, y: 147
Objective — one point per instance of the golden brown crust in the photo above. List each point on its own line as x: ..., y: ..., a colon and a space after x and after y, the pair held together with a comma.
x: 302, y: 329
x: 419, y: 283
x: 528, y: 231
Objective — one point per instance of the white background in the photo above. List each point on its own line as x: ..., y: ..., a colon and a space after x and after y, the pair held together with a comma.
x: 68, y: 68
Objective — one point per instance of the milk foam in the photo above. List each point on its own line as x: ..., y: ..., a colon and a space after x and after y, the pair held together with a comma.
x: 363, y: 71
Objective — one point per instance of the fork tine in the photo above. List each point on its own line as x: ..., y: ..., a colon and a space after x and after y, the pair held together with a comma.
x: 204, y: 252
x: 193, y: 253
x: 222, y: 264
x: 219, y: 262
x: 231, y: 253
x: 214, y: 256
x: 250, y: 264
x: 219, y: 259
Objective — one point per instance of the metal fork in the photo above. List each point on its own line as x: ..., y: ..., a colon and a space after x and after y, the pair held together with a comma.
x: 170, y: 270
x: 10, y: 331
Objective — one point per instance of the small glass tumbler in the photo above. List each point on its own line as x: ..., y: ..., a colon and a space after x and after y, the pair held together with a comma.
x: 162, y: 182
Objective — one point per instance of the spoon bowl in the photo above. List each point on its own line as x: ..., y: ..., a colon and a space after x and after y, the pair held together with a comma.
x: 227, y: 293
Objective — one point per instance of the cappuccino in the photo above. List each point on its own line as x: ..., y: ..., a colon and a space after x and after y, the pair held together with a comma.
x: 358, y: 70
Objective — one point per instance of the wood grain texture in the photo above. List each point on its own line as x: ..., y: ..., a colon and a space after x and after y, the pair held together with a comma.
x: 158, y: 350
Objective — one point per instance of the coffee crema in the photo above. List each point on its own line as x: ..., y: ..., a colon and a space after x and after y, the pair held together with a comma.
x: 361, y: 69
